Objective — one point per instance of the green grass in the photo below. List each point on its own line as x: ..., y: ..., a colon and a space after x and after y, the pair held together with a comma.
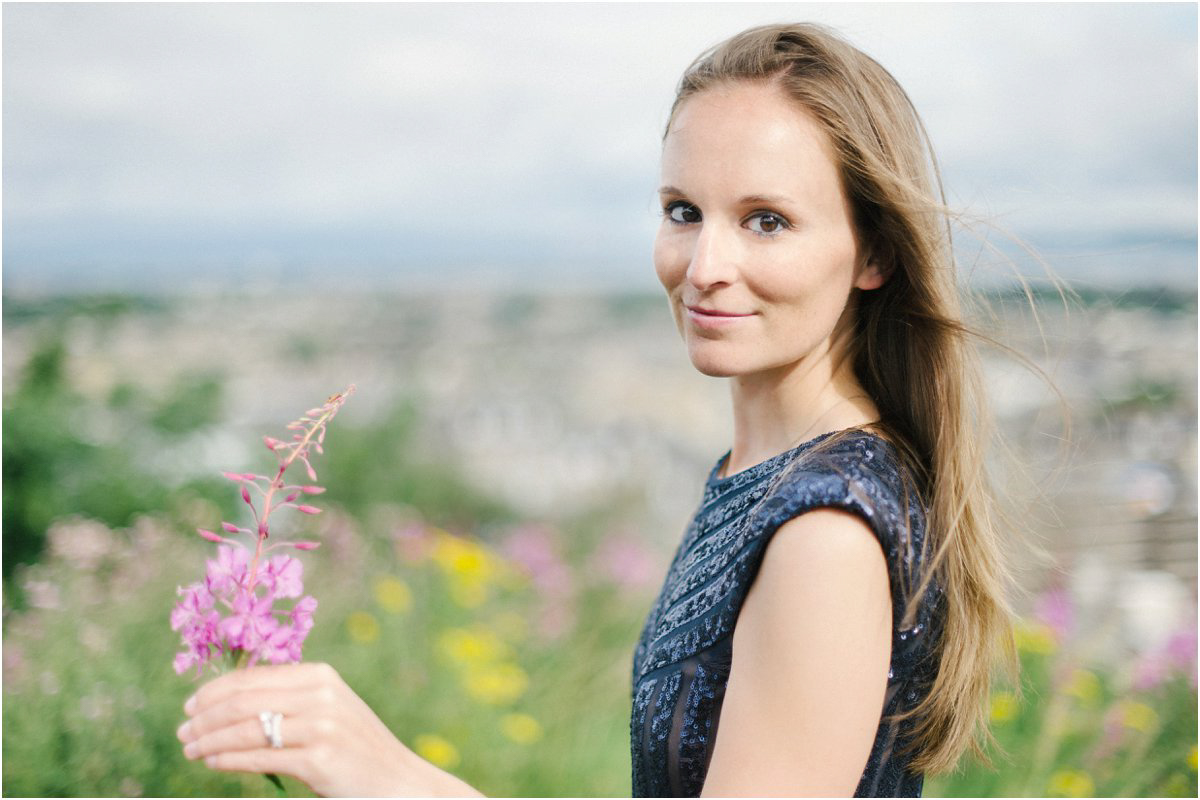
x: 1078, y: 730
x: 91, y: 702
x: 98, y: 717
x: 524, y: 706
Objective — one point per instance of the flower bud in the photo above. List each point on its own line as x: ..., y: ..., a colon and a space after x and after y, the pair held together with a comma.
x: 212, y: 537
x: 308, y: 509
x: 229, y: 527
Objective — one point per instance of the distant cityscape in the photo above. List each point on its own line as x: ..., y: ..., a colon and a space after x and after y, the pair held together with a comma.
x: 554, y: 403
x: 381, y: 260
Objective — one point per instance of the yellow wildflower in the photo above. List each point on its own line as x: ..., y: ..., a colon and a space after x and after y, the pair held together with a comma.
x: 362, y: 627
x: 1034, y: 637
x: 461, y: 557
x: 393, y: 595
x: 436, y: 750
x: 1071, y: 783
x: 521, y: 728
x: 1140, y: 717
x: 1085, y: 685
x: 496, y: 684
x: 472, y: 647
x: 1004, y: 706
x: 1191, y: 759
x: 470, y: 568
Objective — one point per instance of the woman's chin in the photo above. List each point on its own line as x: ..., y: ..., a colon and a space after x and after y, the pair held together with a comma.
x: 713, y: 366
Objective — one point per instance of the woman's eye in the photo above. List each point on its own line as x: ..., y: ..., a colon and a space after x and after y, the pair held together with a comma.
x: 767, y: 223
x: 683, y: 213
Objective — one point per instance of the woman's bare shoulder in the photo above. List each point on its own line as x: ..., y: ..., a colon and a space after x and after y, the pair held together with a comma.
x: 810, y: 660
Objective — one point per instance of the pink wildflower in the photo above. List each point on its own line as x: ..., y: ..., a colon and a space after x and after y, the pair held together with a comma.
x: 1054, y: 610
x: 1176, y: 656
x: 186, y: 660
x: 1180, y: 649
x: 302, y: 613
x: 250, y: 623
x: 246, y: 585
x: 1149, y: 672
x: 196, y: 620
x: 281, y: 647
x: 412, y: 542
x: 535, y: 548
x: 197, y: 600
x: 283, y: 576
x: 229, y: 570
x: 627, y: 562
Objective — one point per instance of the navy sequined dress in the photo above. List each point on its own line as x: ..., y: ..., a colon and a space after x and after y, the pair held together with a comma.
x: 682, y: 661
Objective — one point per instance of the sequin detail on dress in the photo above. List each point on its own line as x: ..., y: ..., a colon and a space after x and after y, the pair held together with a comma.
x: 682, y: 661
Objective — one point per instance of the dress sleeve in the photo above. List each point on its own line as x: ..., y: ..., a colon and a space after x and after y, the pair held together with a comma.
x: 862, y: 477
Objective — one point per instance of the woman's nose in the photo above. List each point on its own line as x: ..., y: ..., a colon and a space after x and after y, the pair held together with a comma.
x: 712, y: 263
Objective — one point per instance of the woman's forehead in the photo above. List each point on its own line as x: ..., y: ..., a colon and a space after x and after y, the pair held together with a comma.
x: 751, y: 135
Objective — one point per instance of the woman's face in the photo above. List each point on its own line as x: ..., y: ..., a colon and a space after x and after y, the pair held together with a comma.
x: 756, y: 249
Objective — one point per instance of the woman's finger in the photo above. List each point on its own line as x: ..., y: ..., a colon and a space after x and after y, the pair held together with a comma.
x: 282, y: 762
x: 270, y: 676
x: 248, y: 734
x: 242, y: 706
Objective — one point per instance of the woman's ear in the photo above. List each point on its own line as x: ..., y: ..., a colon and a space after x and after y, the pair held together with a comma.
x: 871, y: 275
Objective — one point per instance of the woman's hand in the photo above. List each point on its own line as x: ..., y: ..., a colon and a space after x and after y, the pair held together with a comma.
x: 331, y: 740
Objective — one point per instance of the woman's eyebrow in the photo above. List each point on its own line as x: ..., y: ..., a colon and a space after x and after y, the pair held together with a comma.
x: 746, y: 200
x: 764, y: 199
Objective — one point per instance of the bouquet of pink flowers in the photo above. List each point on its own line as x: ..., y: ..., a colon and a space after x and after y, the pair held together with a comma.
x: 232, y: 611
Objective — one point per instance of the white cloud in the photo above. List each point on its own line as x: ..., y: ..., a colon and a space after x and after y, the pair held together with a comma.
x: 541, y: 121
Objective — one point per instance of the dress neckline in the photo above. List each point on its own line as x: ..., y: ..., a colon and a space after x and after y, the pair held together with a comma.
x: 774, y: 462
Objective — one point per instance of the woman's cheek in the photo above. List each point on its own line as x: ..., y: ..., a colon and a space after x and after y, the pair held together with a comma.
x: 669, y: 262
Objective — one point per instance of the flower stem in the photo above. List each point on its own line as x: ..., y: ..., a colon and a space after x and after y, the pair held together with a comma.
x: 273, y: 778
x: 276, y: 484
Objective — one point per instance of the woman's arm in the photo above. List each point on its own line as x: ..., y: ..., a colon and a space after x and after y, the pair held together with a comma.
x: 810, y: 659
x: 331, y: 740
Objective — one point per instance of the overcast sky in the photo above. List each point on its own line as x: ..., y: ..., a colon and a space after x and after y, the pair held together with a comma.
x: 161, y: 145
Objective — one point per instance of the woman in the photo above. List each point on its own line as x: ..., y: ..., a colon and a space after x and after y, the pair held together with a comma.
x: 829, y: 621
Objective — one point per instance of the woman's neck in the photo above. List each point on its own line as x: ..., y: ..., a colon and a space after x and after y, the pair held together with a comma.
x: 775, y: 411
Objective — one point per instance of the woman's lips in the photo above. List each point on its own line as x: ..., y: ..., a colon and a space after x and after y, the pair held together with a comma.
x: 713, y: 317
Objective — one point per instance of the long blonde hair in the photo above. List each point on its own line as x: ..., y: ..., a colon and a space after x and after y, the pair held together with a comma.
x: 912, y: 352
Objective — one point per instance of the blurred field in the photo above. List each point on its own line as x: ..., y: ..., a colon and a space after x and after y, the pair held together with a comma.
x: 505, y: 491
